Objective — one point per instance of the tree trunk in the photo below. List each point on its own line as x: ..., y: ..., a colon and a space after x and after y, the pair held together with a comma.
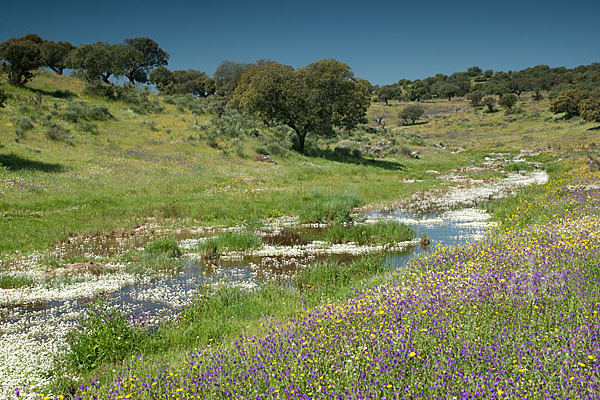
x: 301, y: 138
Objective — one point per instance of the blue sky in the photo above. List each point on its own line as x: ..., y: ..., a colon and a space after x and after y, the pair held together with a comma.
x: 383, y: 41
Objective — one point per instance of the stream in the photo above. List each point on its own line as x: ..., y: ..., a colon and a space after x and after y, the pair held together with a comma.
x: 34, y: 321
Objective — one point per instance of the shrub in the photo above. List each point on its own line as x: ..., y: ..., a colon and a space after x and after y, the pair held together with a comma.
x: 24, y: 125
x: 90, y: 127
x: 57, y: 133
x: 99, y: 113
x: 489, y: 102
x: 3, y: 98
x: 148, y: 107
x: 508, y: 101
x: 589, y: 109
x: 262, y: 150
x: 567, y: 102
x: 100, y: 89
x: 411, y: 114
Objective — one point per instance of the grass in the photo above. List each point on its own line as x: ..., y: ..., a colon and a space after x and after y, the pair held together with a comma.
x: 382, y: 232
x: 216, y: 316
x: 514, y: 316
x: 15, y: 281
x: 166, y: 247
x: 229, y: 241
x: 159, y: 167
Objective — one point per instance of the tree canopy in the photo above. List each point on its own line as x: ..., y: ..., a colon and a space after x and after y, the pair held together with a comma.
x: 411, y: 114
x: 150, y: 56
x: 54, y: 55
x: 20, y: 56
x: 311, y: 100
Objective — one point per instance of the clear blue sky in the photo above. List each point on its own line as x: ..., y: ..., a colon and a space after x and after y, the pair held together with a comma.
x: 383, y: 41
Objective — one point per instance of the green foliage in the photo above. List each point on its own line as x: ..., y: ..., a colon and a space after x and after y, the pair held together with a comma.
x: 14, y: 281
x: 313, y: 99
x: 383, y: 232
x: 228, y: 74
x: 508, y: 101
x: 327, y: 277
x: 164, y: 247
x: 79, y: 110
x: 104, y: 336
x: 589, y: 109
x: 21, y: 56
x: 567, y: 102
x: 148, y: 56
x: 229, y: 241
x: 475, y: 97
x: 55, y: 55
x: 57, y: 133
x: 24, y: 125
x: 192, y: 82
x: 96, y: 61
x: 320, y: 208
x: 518, y: 166
x: 489, y: 102
x: 448, y: 90
x: 3, y: 98
x: 411, y: 114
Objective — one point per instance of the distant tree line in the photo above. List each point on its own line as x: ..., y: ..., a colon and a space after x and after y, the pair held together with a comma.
x: 574, y: 91
x: 478, y: 83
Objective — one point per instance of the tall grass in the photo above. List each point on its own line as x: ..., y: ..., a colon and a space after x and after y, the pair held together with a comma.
x: 14, y: 281
x: 321, y: 208
x: 229, y: 241
x: 382, y: 232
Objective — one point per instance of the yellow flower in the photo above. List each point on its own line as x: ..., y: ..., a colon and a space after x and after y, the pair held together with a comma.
x: 412, y: 354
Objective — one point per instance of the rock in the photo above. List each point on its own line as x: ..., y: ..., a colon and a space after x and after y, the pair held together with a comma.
x: 415, y: 154
x: 377, y: 153
x: 265, y: 158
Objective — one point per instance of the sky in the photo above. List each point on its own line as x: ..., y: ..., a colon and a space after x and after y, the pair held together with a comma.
x: 382, y: 41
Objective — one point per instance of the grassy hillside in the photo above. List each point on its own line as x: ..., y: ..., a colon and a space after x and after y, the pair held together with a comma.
x: 75, y: 164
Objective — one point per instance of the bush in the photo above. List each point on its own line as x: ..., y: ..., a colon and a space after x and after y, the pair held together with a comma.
x: 489, y: 102
x: 100, y: 89
x: 567, y: 102
x: 3, y: 98
x: 99, y: 113
x: 57, y: 133
x: 508, y: 101
x: 411, y: 114
x: 148, y: 107
x: 262, y: 150
x: 24, y: 125
x: 90, y: 127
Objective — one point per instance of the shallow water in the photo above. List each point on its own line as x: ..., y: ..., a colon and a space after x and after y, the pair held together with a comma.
x: 31, y: 332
